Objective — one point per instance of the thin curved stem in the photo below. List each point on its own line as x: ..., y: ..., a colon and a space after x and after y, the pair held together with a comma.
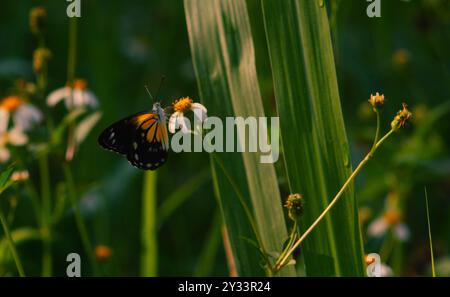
x: 292, y: 238
x: 377, y: 133
x: 11, y: 245
x: 46, y: 215
x: 334, y: 201
x: 78, y: 218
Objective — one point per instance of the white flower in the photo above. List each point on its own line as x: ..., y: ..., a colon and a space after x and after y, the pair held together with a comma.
x: 78, y: 96
x: 375, y: 268
x: 15, y: 137
x: 25, y: 115
x: 386, y: 271
x: 20, y: 176
x: 177, y: 119
x: 391, y: 219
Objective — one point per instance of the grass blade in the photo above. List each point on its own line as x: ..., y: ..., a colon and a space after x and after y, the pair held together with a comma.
x: 223, y: 57
x: 313, y: 132
x: 429, y: 235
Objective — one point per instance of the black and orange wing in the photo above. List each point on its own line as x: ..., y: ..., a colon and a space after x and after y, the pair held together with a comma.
x: 142, y: 138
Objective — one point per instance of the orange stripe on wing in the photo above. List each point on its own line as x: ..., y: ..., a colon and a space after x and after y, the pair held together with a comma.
x: 147, y: 124
x: 140, y: 119
x: 151, y: 132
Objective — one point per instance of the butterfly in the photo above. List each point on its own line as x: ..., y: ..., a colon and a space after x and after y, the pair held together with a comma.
x: 142, y: 138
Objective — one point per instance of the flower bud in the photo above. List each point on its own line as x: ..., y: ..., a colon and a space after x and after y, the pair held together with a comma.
x: 40, y: 58
x: 402, y: 117
x: 38, y: 17
x: 295, y: 207
x: 377, y: 101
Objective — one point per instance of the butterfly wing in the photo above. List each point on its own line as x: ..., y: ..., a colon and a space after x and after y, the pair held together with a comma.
x: 142, y: 138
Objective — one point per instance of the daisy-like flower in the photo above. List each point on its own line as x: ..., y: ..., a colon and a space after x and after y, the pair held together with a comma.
x: 383, y: 270
x: 180, y: 106
x: 15, y: 137
x: 25, y: 115
x: 390, y: 220
x: 75, y: 95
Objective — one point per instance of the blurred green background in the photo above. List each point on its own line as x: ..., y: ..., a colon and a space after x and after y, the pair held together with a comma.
x: 124, y: 45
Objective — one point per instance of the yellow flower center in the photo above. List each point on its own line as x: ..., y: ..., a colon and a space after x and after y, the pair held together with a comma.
x: 182, y: 104
x: 392, y: 217
x: 11, y: 103
x: 369, y: 260
x: 79, y: 84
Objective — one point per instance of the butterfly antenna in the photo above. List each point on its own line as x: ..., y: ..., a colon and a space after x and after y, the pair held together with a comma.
x: 150, y: 94
x: 160, y: 85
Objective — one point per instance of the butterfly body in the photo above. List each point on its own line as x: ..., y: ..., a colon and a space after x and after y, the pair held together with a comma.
x: 142, y: 138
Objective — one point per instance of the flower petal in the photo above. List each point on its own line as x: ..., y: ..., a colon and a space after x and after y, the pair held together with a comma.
x: 90, y: 99
x: 402, y: 232
x: 26, y: 116
x: 4, y: 120
x: 184, y: 124
x: 76, y: 100
x: 178, y: 121
x: 172, y: 121
x: 378, y: 227
x: 58, y: 95
x: 17, y: 137
x: 386, y: 271
x: 4, y: 154
x: 199, y: 111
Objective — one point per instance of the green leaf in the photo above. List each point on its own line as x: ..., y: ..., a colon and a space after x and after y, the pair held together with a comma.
x: 5, y: 178
x: 313, y: 133
x: 224, y: 62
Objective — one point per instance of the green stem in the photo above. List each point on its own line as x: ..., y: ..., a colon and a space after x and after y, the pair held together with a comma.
x: 334, y: 201
x: 45, y: 216
x: 149, y: 254
x: 292, y: 238
x: 433, y: 270
x: 377, y: 133
x: 79, y: 219
x: 72, y: 46
x: 11, y: 245
x: 71, y: 68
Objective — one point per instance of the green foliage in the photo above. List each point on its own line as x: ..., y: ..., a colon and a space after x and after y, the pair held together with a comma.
x: 223, y: 57
x: 313, y: 132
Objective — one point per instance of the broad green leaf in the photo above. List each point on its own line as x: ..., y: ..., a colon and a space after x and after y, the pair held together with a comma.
x: 224, y: 61
x: 313, y: 132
